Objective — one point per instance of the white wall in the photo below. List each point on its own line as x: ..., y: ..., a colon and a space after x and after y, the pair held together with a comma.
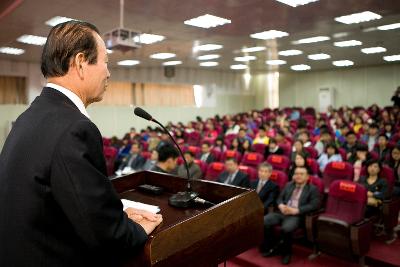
x: 355, y: 86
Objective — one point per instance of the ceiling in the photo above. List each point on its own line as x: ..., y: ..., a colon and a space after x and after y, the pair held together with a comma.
x: 165, y: 17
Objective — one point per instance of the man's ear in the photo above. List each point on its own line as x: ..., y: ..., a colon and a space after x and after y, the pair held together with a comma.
x: 79, y: 63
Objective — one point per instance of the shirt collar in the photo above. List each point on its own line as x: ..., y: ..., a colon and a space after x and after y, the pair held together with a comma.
x: 71, y: 96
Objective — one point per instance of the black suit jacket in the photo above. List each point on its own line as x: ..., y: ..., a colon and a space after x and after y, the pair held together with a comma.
x: 309, y: 198
x: 136, y: 164
x: 210, y: 159
x: 268, y: 194
x: 240, y: 179
x: 57, y: 206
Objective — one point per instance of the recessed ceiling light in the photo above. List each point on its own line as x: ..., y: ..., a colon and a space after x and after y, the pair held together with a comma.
x: 11, y: 51
x: 128, y: 62
x: 292, y: 52
x: 253, y: 49
x: 208, y: 57
x: 340, y: 35
x: 343, y: 63
x: 57, y: 20
x: 239, y: 67
x: 207, y: 47
x: 32, y: 39
x: 295, y: 3
x: 389, y: 27
x: 162, y: 55
x: 208, y: 64
x: 172, y: 63
x: 147, y: 38
x: 320, y: 56
x: 312, y: 40
x: 266, y: 35
x: 245, y: 58
x: 207, y: 21
x: 358, y: 17
x: 109, y: 51
x: 392, y: 58
x: 301, y: 67
x: 275, y: 62
x: 347, y: 43
x: 373, y: 50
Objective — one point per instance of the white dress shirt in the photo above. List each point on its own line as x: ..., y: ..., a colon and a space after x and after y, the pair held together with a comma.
x: 72, y: 96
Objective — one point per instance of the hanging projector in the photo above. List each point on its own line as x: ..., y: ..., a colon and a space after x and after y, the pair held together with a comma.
x: 122, y: 39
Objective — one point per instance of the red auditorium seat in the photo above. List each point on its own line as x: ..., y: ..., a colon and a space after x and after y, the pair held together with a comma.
x: 313, y: 164
x: 259, y: 148
x: 287, y: 149
x: 343, y: 153
x: 146, y: 154
x: 203, y: 167
x: 216, y: 153
x: 194, y: 149
x: 109, y: 154
x: 214, y: 170
x: 106, y: 141
x: 312, y: 151
x: 252, y: 159
x: 342, y: 230
x: 231, y: 154
x: 337, y: 171
x: 280, y: 178
x: 250, y: 171
x: 279, y: 162
x: 193, y: 138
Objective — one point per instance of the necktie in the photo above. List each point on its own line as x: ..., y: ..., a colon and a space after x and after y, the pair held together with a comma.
x: 260, y: 186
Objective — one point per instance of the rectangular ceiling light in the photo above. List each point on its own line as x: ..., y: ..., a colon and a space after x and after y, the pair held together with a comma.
x: 208, y: 64
x: 301, y: 67
x: 320, y: 56
x: 253, y: 49
x: 147, y: 38
x: 292, y: 52
x: 128, y: 62
x: 266, y: 35
x: 11, y: 51
x: 389, y: 27
x: 57, y: 20
x: 207, y: 47
x: 347, y: 43
x: 373, y: 50
x: 245, y: 58
x: 109, y: 51
x: 358, y: 17
x: 32, y: 39
x: 343, y: 63
x: 295, y: 3
x: 312, y: 40
x: 207, y: 21
x: 275, y: 62
x: 392, y: 58
x: 239, y: 67
x: 172, y: 63
x: 208, y: 57
x: 162, y: 55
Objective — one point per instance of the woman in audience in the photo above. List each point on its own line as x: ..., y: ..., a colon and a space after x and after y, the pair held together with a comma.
x: 382, y: 148
x: 359, y: 160
x: 211, y: 133
x: 272, y: 148
x: 246, y: 146
x: 298, y: 148
x: 394, y: 163
x: 179, y: 136
x: 376, y: 186
x: 331, y: 154
x: 220, y: 145
x: 358, y: 123
x: 236, y: 145
x: 299, y: 161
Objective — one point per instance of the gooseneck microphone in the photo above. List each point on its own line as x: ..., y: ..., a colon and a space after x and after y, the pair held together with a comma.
x: 181, y: 199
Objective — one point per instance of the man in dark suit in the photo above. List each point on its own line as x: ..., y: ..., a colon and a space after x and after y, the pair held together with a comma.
x: 267, y: 190
x: 194, y: 169
x: 57, y: 206
x: 296, y: 200
x: 206, y: 155
x: 167, y: 159
x: 232, y: 175
x: 133, y: 160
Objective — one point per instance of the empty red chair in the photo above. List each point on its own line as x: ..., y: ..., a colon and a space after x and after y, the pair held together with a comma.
x: 106, y: 141
x: 250, y: 171
x: 279, y: 162
x: 259, y: 148
x: 194, y: 149
x: 252, y: 159
x: 342, y: 230
x: 343, y: 153
x: 312, y: 151
x: 214, y: 170
x: 287, y: 149
x: 313, y: 164
x: 146, y: 154
x: 231, y: 154
x: 337, y: 171
x: 203, y: 166
x: 279, y: 178
x: 110, y: 153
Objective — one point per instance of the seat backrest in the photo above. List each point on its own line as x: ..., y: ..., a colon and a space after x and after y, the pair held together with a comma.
x: 312, y: 151
x: 385, y: 173
x: 287, y: 149
x: 110, y: 152
x: 250, y: 171
x: 193, y: 138
x: 231, y: 154
x: 313, y: 164
x: 343, y: 153
x: 280, y: 178
x: 252, y: 159
x: 337, y: 171
x: 214, y: 170
x: 346, y: 201
x: 203, y: 166
x: 195, y: 150
x: 216, y: 153
x: 260, y: 148
x: 146, y: 154
x: 315, y: 180
x: 279, y: 162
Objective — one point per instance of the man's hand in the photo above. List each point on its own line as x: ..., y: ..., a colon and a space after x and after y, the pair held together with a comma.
x: 149, y: 221
x: 149, y: 226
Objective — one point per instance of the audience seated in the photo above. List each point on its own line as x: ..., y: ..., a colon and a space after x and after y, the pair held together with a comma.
x: 194, y: 169
x: 394, y: 163
x: 272, y: 148
x: 299, y: 161
x: 359, y: 160
x: 151, y: 162
x: 382, y: 147
x: 331, y: 154
x: 232, y: 175
x: 261, y: 137
x: 371, y: 138
x: 167, y: 159
x: 206, y: 155
x: 133, y: 161
x: 298, y: 147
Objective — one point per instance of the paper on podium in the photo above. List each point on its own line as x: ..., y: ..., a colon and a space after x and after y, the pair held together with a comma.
x: 140, y: 206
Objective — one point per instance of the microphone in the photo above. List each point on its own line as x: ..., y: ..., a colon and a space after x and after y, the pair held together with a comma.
x: 181, y: 199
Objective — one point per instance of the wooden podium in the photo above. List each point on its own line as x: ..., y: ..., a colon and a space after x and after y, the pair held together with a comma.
x: 198, y: 236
